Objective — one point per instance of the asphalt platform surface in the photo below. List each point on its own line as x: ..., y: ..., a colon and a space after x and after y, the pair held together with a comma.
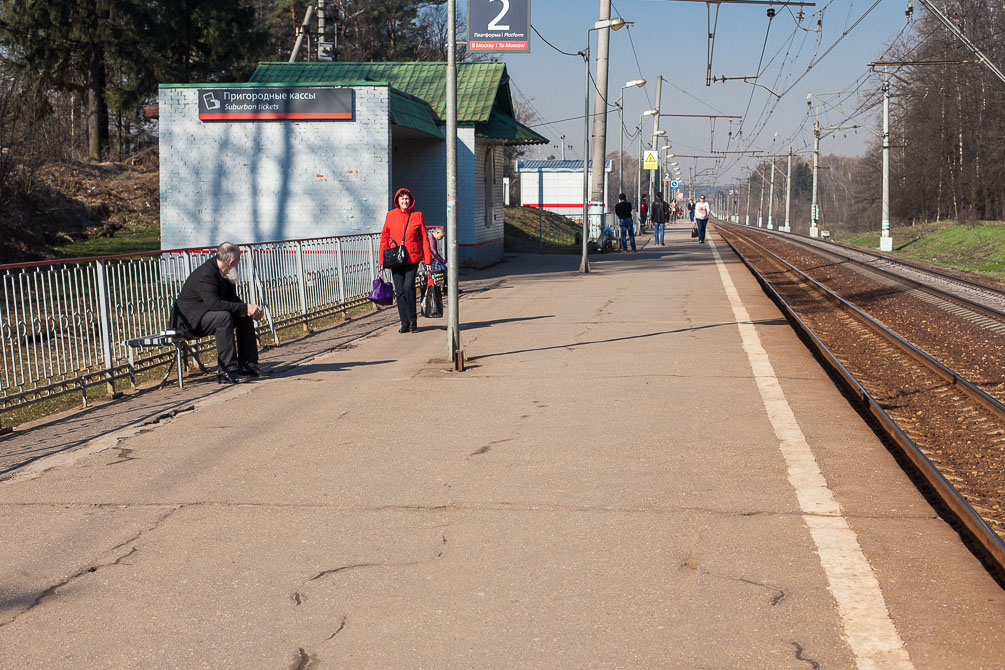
x: 642, y: 467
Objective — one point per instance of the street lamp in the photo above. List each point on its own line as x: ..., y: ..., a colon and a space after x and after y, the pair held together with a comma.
x: 621, y: 132
x: 614, y: 24
x: 638, y: 190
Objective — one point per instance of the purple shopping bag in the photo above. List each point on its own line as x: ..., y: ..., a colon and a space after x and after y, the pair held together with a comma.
x: 383, y: 292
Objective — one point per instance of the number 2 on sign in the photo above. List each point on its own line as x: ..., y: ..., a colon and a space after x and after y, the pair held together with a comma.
x: 494, y: 23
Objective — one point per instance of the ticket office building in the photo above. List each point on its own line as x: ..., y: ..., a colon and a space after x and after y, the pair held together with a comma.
x: 308, y: 150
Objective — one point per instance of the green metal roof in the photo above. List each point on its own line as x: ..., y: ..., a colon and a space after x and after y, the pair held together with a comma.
x: 481, y: 87
x: 408, y: 111
x: 504, y: 127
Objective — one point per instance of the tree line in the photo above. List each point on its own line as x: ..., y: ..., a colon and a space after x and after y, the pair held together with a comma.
x: 75, y: 75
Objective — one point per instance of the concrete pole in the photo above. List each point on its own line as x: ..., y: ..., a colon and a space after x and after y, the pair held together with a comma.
x: 656, y: 129
x: 746, y: 212
x: 638, y: 172
x: 814, y: 210
x: 788, y: 192
x: 760, y: 202
x: 885, y: 241
x: 621, y: 142
x: 771, y: 195
x: 597, y: 195
x: 455, y: 352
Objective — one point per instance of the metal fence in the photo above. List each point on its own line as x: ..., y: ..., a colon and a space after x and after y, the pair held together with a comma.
x: 64, y: 324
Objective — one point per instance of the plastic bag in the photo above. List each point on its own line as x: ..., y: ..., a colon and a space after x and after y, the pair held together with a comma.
x: 383, y: 292
x: 432, y: 302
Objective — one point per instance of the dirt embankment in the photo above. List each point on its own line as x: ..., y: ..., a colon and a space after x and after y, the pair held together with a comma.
x: 72, y: 201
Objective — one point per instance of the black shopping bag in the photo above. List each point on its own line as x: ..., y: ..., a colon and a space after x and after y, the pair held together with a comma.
x: 432, y: 303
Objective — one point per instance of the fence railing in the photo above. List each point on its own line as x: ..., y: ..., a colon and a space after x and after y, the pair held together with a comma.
x: 64, y: 324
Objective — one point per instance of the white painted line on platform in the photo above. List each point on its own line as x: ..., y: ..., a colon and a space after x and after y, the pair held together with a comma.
x: 873, y: 638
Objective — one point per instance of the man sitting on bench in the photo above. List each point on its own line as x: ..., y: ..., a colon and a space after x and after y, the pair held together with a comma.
x: 208, y: 305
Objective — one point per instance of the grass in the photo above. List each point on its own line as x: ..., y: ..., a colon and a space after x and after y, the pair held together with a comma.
x: 977, y: 247
x: 531, y: 230
x: 135, y: 238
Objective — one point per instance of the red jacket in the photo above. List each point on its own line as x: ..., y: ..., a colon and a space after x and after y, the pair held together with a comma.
x: 416, y: 240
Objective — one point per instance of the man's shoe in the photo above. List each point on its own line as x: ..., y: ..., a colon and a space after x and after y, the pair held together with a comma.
x: 226, y: 377
x: 249, y: 371
x: 414, y: 328
x: 403, y: 329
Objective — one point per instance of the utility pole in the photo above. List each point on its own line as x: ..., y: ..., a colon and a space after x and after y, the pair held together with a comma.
x: 656, y: 130
x: 455, y: 352
x: 771, y: 195
x: 760, y: 201
x: 746, y: 211
x: 814, y: 210
x: 563, y: 147
x: 597, y: 195
x: 885, y: 241
x: 788, y: 193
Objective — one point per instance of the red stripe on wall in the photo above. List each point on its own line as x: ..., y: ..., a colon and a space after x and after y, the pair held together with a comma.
x: 266, y: 115
x: 555, y: 204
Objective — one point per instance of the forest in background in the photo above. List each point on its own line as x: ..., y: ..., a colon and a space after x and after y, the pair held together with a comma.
x: 947, y: 122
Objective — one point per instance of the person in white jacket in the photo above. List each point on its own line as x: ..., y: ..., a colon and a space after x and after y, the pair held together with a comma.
x: 701, y: 217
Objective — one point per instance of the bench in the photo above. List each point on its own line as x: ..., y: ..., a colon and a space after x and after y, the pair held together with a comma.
x: 165, y: 338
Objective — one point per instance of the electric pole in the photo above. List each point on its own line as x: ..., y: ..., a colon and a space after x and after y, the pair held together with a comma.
x: 597, y: 195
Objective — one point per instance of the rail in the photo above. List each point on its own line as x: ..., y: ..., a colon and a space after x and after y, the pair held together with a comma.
x: 64, y: 324
x: 975, y: 524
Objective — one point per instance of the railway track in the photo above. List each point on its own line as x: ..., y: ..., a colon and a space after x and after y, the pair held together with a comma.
x: 942, y: 405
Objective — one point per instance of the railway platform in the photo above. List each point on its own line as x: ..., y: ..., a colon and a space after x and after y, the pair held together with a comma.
x: 642, y: 467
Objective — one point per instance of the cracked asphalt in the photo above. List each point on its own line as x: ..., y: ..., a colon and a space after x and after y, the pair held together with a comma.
x: 600, y: 489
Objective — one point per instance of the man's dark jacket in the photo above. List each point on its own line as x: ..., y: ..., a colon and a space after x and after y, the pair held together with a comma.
x: 205, y: 290
x: 660, y: 211
x: 623, y: 210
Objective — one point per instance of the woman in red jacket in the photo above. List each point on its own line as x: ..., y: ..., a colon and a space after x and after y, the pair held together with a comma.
x: 404, y: 225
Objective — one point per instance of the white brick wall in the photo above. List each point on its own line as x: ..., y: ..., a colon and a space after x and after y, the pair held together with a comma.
x: 247, y: 182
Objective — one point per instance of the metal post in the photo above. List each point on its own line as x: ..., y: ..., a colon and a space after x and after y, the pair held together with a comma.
x: 814, y: 210
x: 104, y: 326
x: 302, y: 282
x: 584, y: 263
x: 885, y: 241
x: 771, y: 195
x: 455, y: 352
x: 788, y: 192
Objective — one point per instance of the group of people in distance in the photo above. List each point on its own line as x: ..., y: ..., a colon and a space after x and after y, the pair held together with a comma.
x: 659, y: 214
x: 208, y: 303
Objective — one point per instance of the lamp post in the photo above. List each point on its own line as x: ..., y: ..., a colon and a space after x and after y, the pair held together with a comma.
x: 648, y: 112
x: 656, y: 135
x: 621, y: 131
x: 613, y: 24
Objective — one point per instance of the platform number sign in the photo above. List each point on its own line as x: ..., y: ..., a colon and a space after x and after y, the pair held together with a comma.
x: 498, y: 25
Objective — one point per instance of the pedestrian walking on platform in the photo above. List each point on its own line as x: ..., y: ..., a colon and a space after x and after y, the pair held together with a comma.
x: 643, y: 213
x: 701, y: 211
x: 660, y: 212
x: 405, y: 226
x: 623, y: 210
x: 690, y: 210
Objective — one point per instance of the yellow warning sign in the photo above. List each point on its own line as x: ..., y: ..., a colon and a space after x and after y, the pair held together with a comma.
x: 650, y: 162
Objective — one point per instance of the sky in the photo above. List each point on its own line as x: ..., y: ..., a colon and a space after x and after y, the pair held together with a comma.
x: 669, y: 38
